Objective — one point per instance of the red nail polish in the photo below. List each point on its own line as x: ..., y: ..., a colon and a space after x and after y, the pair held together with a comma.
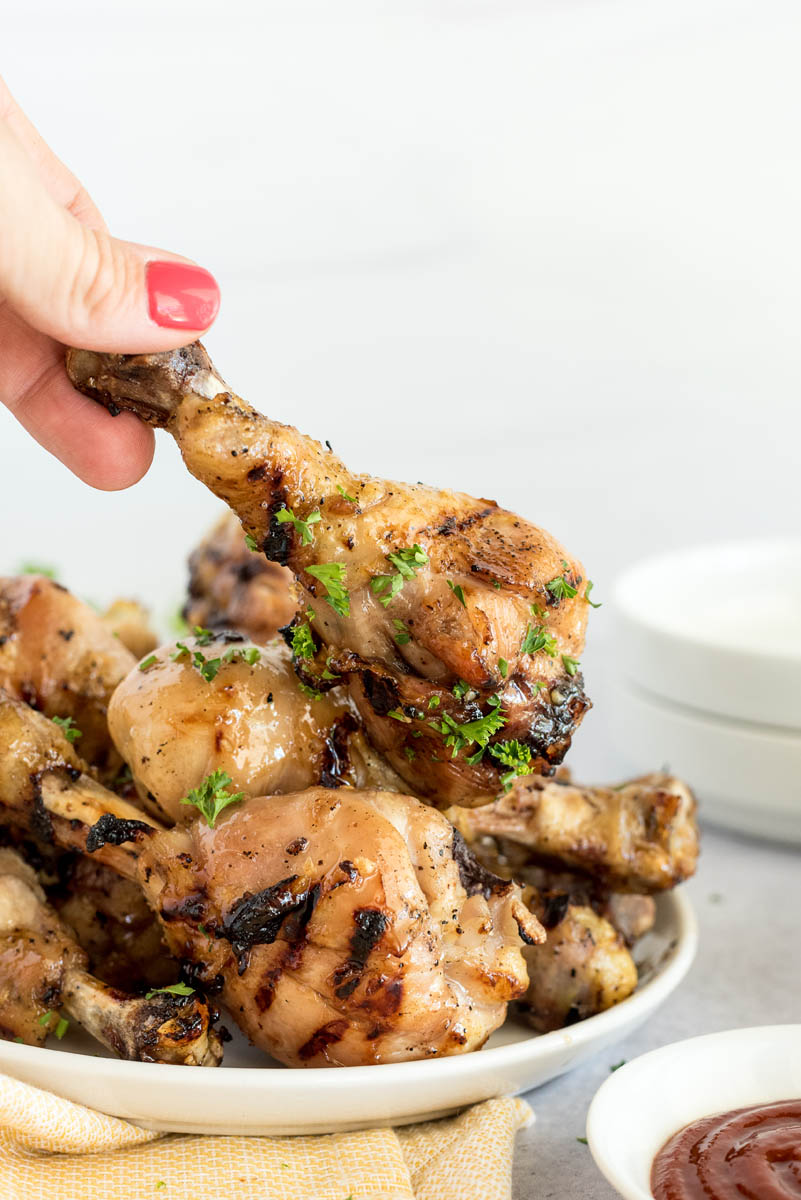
x: 181, y: 296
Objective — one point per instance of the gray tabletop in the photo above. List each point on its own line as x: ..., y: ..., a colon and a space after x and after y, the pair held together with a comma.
x: 748, y: 972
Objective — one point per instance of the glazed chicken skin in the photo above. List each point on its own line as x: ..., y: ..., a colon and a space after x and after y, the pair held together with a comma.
x: 339, y: 926
x: 424, y: 599
x: 59, y: 656
x: 43, y: 969
x: 640, y: 837
x: 225, y: 704
x: 234, y: 587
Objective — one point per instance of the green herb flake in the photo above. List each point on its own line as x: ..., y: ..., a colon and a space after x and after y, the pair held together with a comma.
x: 433, y: 702
x: 345, y: 496
x: 587, y: 591
x: 397, y: 715
x: 332, y: 577
x: 407, y: 562
x: 213, y: 796
x: 538, y: 639
x: 311, y: 692
x: 616, y: 1066
x: 410, y: 752
x: 496, y: 584
x: 560, y: 587
x: 302, y: 641
x: 68, y: 728
x: 503, y: 667
x: 251, y: 543
x: 402, y: 635
x: 514, y: 755
x: 582, y: 1140
x: 302, y: 525
x: 172, y: 989
x: 457, y: 737
x: 147, y: 663
x: 571, y: 664
x: 34, y: 568
x: 62, y: 1027
x: 45, y: 1017
x: 203, y: 636
x: 458, y: 591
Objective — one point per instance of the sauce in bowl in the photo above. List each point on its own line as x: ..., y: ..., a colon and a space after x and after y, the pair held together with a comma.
x: 751, y: 1152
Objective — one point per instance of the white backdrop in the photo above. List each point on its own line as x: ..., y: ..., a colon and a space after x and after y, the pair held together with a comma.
x: 542, y: 251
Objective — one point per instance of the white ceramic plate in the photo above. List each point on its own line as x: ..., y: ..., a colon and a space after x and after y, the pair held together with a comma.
x: 716, y: 628
x: 644, y: 1103
x: 247, y: 1097
x: 747, y: 777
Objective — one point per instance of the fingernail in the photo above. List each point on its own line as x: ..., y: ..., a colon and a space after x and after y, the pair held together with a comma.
x: 181, y: 296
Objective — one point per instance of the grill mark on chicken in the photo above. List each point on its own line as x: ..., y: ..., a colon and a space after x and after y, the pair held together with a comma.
x: 475, y: 877
x: 326, y: 1035
x: 114, y: 831
x: 381, y: 691
x: 371, y: 925
x: 336, y: 752
x: 190, y: 908
x: 256, y: 920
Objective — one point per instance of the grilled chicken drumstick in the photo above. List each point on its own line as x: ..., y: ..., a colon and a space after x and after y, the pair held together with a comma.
x: 60, y: 657
x: 43, y: 970
x: 457, y: 623
x: 639, y: 837
x: 340, y: 927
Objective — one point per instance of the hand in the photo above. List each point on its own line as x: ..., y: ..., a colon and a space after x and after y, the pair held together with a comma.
x: 65, y: 280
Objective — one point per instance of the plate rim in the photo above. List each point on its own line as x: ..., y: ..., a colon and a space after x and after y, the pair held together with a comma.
x: 675, y: 904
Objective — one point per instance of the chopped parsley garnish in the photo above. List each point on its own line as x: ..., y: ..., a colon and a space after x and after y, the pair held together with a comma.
x: 302, y: 525
x: 460, y: 689
x: 457, y: 736
x: 251, y: 655
x: 571, y: 664
x: 213, y: 796
x: 68, y: 728
x: 173, y: 989
x: 582, y: 1140
x: 458, y: 592
x: 345, y: 496
x: 536, y: 639
x: 433, y: 702
x: 496, y: 583
x: 45, y: 1017
x: 560, y: 587
x: 587, y: 590
x: 251, y: 543
x: 407, y: 562
x: 616, y: 1066
x: 503, y: 667
x: 311, y: 692
x: 203, y: 636
x: 538, y: 612
x: 62, y: 1027
x: 332, y: 577
x: 33, y: 568
x: 302, y: 641
x: 410, y: 752
x: 328, y: 673
x: 514, y: 755
x: 402, y: 634
x: 397, y: 715
x: 208, y: 667
x: 146, y: 663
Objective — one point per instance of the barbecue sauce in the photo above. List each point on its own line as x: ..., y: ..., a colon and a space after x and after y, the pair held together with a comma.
x: 749, y: 1152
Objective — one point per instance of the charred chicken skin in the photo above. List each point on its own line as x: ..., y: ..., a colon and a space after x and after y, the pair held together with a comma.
x: 43, y: 970
x: 457, y: 623
x: 339, y: 926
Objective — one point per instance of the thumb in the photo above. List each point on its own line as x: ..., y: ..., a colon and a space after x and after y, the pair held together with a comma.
x: 83, y: 287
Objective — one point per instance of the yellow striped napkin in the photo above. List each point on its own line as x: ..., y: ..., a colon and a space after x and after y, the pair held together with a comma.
x: 52, y: 1149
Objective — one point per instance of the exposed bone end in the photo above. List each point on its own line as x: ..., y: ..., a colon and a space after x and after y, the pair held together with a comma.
x: 150, y: 385
x: 166, y: 1028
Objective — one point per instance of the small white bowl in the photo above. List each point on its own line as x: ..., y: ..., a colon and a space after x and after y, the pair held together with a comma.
x: 716, y: 628
x: 746, y: 777
x: 645, y: 1102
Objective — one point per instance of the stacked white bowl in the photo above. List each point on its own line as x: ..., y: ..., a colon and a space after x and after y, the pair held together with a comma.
x: 708, y: 678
